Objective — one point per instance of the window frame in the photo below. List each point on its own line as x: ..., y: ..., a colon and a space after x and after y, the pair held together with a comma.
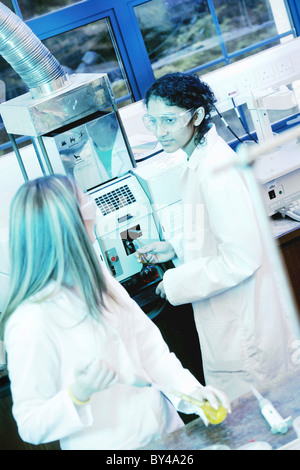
x: 128, y: 36
x: 125, y: 27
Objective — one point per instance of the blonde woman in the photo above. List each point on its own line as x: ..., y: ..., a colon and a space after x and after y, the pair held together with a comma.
x: 79, y: 349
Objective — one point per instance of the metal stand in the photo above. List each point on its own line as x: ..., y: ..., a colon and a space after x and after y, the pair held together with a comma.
x: 45, y: 155
x: 18, y: 155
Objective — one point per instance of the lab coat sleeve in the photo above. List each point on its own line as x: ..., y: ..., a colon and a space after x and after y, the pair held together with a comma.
x: 176, y: 243
x: 159, y: 365
x: 43, y: 411
x: 238, y: 253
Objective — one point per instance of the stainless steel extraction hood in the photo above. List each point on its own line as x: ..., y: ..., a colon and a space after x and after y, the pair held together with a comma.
x: 86, y: 94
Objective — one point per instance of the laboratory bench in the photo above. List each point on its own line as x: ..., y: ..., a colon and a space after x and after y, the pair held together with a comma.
x: 245, y: 425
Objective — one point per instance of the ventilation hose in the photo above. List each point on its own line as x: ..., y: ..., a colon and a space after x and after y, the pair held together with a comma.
x: 28, y: 56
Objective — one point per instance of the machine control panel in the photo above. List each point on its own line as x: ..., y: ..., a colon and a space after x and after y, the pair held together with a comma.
x: 125, y: 221
x: 114, y: 262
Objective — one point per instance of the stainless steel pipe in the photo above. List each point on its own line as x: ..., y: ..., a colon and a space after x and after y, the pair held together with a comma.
x: 28, y: 56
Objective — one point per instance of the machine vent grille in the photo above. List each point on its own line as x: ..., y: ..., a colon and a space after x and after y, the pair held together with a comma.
x: 114, y: 200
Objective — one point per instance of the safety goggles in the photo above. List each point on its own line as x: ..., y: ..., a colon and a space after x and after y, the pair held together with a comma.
x: 169, y: 122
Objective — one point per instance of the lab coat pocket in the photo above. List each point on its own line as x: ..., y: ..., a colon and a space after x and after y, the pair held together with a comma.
x: 223, y: 345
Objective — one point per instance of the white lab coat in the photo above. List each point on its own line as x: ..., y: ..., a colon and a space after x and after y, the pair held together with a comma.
x: 242, y: 331
x: 46, y: 341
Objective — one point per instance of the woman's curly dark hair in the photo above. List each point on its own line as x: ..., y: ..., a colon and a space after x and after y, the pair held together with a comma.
x: 186, y: 91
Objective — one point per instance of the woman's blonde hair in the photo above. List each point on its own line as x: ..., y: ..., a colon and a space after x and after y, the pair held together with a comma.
x: 48, y: 242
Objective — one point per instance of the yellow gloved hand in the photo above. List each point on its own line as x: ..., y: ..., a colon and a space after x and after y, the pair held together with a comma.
x: 211, y: 404
x: 214, y: 416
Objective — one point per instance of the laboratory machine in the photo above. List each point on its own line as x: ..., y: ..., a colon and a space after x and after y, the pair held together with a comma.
x: 160, y: 178
x: 76, y: 129
x: 278, y: 173
x: 265, y: 82
x: 93, y: 149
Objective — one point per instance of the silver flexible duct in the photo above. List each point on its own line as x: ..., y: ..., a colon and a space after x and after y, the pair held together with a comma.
x: 28, y: 56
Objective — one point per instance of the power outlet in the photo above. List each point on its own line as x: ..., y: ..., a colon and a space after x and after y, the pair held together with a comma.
x: 245, y: 83
x: 284, y: 66
x: 266, y: 74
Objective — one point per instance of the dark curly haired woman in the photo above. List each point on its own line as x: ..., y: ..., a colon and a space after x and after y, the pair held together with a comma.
x: 238, y: 314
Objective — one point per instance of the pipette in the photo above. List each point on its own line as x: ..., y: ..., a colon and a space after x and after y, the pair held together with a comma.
x: 271, y: 415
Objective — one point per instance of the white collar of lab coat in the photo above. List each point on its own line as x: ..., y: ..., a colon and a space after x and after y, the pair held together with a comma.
x: 49, y: 290
x: 203, y: 149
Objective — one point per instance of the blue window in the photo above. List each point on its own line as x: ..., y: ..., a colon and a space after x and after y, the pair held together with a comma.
x: 136, y: 41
